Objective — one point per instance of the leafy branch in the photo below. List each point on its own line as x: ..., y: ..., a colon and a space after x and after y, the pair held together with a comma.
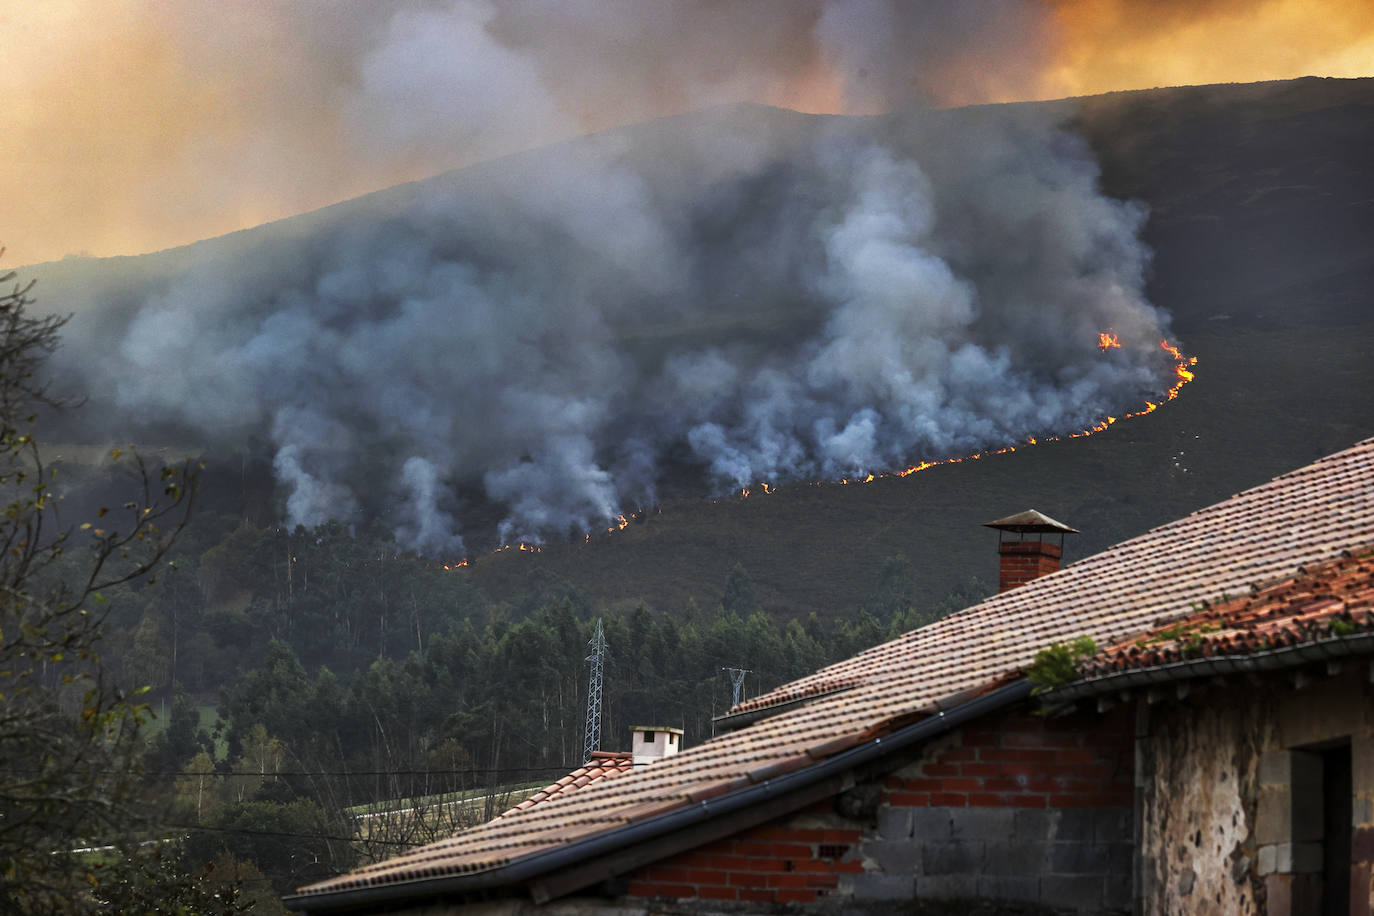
x: 68, y: 735
x: 1057, y: 664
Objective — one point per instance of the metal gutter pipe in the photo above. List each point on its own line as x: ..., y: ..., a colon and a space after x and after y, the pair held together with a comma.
x: 1330, y: 649
x: 541, y: 863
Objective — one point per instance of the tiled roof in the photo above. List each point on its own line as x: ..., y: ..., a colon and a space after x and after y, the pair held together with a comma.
x: 603, y: 765
x: 1307, y: 516
x: 1323, y: 601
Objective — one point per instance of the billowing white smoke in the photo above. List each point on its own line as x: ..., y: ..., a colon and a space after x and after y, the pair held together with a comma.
x: 766, y: 296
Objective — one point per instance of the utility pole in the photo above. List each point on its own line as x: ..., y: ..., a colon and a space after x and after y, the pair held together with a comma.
x: 737, y: 681
x: 597, y: 659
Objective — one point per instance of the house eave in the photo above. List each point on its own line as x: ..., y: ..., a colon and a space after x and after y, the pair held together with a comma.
x: 1287, y: 657
x: 731, y: 721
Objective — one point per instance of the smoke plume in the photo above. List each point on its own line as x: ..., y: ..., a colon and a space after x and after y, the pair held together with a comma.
x: 759, y: 294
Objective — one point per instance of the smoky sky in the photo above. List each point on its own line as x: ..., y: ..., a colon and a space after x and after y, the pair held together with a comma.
x: 132, y: 127
x: 758, y: 294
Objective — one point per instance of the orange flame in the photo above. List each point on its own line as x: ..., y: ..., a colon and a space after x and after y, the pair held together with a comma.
x: 1106, y: 340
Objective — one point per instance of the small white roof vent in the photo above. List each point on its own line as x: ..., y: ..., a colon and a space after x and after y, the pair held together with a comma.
x: 651, y: 743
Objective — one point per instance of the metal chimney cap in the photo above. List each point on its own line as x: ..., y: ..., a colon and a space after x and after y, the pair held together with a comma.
x: 1031, y: 521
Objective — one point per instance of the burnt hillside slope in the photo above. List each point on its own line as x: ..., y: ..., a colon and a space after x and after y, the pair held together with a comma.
x: 1262, y: 222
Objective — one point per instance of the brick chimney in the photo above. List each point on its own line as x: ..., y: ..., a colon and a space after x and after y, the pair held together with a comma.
x: 1025, y: 552
x: 651, y: 743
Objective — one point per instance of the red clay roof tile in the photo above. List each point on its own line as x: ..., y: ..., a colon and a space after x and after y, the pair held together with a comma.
x: 1322, y: 600
x: 603, y: 765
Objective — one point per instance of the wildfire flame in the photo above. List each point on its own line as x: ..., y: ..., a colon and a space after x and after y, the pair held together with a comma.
x: 1106, y: 340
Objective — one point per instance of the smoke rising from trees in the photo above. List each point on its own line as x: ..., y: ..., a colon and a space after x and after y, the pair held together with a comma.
x: 765, y: 296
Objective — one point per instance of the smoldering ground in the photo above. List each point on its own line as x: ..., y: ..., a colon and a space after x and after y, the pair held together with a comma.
x: 769, y: 296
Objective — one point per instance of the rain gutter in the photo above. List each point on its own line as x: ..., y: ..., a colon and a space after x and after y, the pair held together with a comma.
x: 733, y: 721
x: 1330, y: 649
x: 535, y: 865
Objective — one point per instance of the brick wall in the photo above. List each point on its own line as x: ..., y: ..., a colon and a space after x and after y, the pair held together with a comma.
x: 1024, y: 762
x: 1022, y: 561
x: 778, y: 863
x: 1016, y: 808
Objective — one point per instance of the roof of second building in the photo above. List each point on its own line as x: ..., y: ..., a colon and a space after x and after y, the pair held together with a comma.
x: 603, y: 765
x: 1309, y: 515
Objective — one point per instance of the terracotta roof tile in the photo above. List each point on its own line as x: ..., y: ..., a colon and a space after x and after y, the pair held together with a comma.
x: 1306, y: 517
x: 603, y: 765
x: 1321, y: 601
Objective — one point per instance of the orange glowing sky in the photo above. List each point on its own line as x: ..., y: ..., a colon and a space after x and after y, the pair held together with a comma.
x: 133, y: 127
x: 1117, y: 44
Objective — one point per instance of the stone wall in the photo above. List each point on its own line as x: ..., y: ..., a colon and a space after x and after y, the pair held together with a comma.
x: 1198, y: 770
x: 1232, y: 794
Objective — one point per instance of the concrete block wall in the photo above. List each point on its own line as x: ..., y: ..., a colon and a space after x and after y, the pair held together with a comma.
x: 1019, y: 808
x: 1288, y: 830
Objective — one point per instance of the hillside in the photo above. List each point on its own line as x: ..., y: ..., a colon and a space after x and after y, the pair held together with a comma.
x: 1262, y: 225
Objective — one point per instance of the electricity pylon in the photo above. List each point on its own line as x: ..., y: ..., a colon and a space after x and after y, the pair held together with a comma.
x: 597, y: 658
x: 737, y: 681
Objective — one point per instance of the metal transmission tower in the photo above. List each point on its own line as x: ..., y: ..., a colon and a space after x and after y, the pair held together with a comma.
x: 737, y: 681
x: 597, y: 658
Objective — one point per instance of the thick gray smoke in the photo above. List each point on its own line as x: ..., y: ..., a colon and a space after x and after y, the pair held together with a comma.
x: 763, y: 295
